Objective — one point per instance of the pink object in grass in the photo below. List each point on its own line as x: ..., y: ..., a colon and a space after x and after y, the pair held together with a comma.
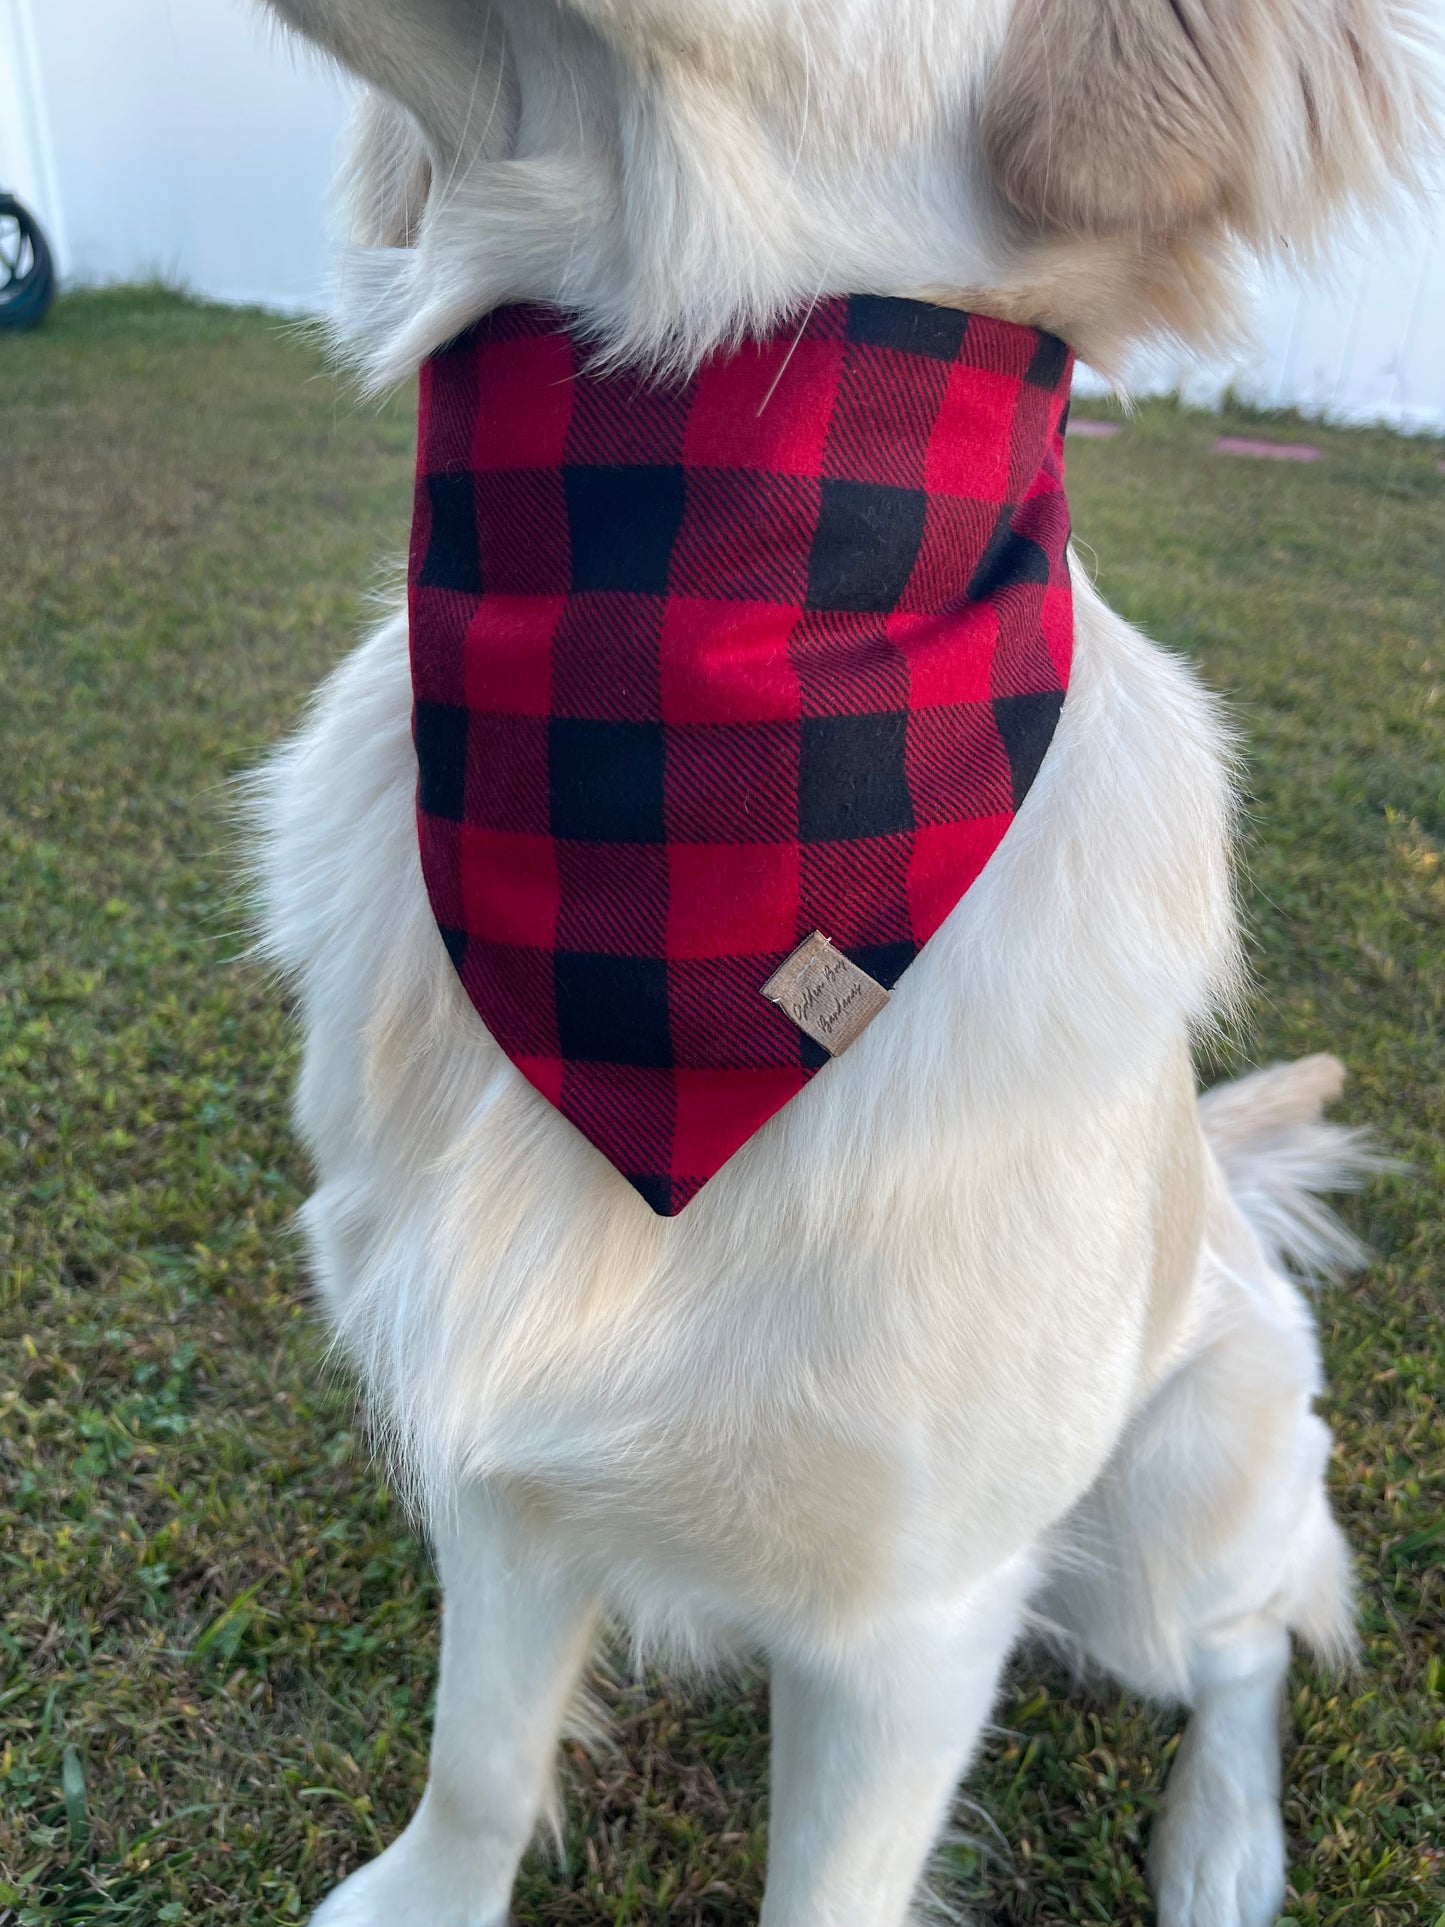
x: 1267, y: 451
x: 1094, y: 431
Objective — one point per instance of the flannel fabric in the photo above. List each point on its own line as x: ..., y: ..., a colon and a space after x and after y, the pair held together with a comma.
x: 701, y: 667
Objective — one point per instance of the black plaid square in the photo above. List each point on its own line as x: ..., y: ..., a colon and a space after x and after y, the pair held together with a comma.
x: 658, y: 1191
x: 884, y: 962
x: 912, y: 327
x: 453, y: 558
x: 440, y: 733
x: 1048, y: 366
x: 1009, y: 561
x: 623, y: 523
x: 612, y: 1010
x: 1027, y: 725
x: 605, y: 781
x: 852, y: 780
x: 865, y: 546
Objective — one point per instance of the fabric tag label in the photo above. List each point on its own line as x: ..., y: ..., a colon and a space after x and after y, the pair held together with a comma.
x: 825, y: 994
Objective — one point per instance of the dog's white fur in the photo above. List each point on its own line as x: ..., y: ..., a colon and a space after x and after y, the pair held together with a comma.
x: 993, y: 1314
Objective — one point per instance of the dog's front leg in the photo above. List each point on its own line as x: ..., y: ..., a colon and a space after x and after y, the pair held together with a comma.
x: 515, y: 1634
x: 869, y: 1742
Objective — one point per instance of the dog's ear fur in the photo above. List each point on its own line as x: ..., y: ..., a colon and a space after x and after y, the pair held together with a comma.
x: 388, y: 174
x: 1168, y: 117
x: 439, y: 64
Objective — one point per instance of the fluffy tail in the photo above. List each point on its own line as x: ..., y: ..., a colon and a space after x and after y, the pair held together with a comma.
x: 1278, y: 1155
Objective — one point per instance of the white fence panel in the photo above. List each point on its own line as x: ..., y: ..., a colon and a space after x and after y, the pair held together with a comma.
x: 184, y: 140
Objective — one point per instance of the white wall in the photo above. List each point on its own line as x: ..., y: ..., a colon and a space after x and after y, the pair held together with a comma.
x: 1360, y: 342
x: 25, y: 146
x: 187, y: 139
x: 1366, y: 345
x: 183, y: 140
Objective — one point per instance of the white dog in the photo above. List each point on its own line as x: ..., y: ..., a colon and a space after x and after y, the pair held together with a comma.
x: 994, y: 1316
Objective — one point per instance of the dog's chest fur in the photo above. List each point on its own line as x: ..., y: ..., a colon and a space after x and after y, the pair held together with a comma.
x: 900, y: 1274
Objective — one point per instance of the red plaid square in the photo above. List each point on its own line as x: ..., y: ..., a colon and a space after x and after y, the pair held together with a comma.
x: 971, y: 454
x: 734, y: 429
x: 732, y: 899
x: 944, y: 853
x: 750, y: 680
x: 511, y: 891
x: 505, y: 658
x: 716, y: 1110
x: 522, y: 418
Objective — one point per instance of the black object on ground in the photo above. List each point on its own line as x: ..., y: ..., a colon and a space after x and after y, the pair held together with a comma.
x: 27, y: 271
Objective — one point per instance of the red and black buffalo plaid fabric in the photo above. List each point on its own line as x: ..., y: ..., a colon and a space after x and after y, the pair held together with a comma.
x: 702, y: 667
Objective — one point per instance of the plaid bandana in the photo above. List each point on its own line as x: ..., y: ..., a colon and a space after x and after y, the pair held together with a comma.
x: 706, y: 669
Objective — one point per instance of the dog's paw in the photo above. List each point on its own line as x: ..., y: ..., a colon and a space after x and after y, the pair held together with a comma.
x: 415, y: 1883
x: 1218, y: 1854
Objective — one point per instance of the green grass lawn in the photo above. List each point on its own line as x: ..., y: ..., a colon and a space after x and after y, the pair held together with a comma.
x: 217, y: 1633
